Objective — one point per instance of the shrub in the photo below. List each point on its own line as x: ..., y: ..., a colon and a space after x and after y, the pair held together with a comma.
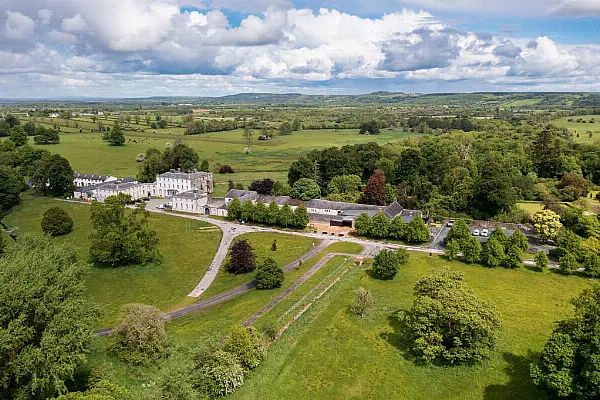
x: 447, y: 322
x: 387, y: 263
x: 226, y: 169
x: 221, y: 373
x: 269, y: 275
x: 568, y: 264
x: 246, y: 345
x: 56, y: 222
x: 363, y: 302
x: 141, y: 336
x: 541, y: 260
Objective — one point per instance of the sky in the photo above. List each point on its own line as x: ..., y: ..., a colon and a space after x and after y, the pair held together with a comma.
x: 141, y: 48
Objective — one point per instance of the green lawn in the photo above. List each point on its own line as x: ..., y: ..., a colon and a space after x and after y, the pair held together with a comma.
x: 289, y: 248
x: 88, y: 153
x: 581, y: 128
x: 331, y: 354
x: 531, y: 207
x: 187, y: 253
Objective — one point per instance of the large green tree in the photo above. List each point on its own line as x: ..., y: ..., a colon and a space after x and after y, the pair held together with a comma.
x: 447, y: 322
x: 387, y: 263
x: 305, y: 189
x: 46, y: 323
x: 569, y: 366
x: 53, y: 176
x: 269, y: 275
x: 120, y: 236
x: 56, y: 222
x: 116, y: 136
x: 10, y: 188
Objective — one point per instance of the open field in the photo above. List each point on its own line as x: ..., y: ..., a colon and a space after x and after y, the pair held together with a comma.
x: 187, y: 253
x: 531, y: 206
x: 88, y: 153
x: 581, y: 128
x: 331, y: 354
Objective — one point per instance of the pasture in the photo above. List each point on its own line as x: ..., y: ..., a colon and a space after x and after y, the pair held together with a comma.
x: 332, y: 354
x: 88, y: 153
x: 581, y: 128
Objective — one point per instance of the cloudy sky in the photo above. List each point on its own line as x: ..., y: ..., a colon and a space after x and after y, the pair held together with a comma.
x: 135, y: 48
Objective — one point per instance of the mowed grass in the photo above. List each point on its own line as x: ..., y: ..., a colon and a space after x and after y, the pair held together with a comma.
x: 531, y: 207
x: 187, y: 252
x: 289, y: 248
x: 88, y: 153
x: 581, y: 128
x: 331, y: 354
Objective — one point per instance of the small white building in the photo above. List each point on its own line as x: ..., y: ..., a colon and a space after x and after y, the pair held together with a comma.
x: 81, y: 180
x: 174, y: 182
x: 135, y: 190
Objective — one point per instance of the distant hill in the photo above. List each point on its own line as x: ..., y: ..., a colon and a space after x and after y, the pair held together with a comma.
x: 527, y: 100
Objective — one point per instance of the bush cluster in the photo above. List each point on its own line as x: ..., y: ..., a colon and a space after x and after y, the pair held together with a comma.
x: 381, y: 227
x: 272, y: 215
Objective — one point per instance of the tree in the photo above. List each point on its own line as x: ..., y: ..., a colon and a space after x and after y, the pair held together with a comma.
x: 416, y: 231
x: 46, y: 321
x: 18, y: 136
x: 269, y: 275
x: 285, y: 216
x: 592, y: 265
x: 513, y: 257
x: 493, y: 192
x: 119, y: 236
x: 241, y: 258
x: 141, y: 338
x: 247, y: 345
x: 344, y: 184
x: 116, y: 136
x: 226, y: 169
x: 56, y: 222
x: 162, y: 124
x: 280, y: 189
x: 573, y: 186
x: 100, y: 387
x: 519, y: 240
x: 204, y: 167
x: 262, y: 186
x: 248, y: 211
x: 296, y: 126
x: 12, y: 120
x: 272, y: 214
x: 397, y: 228
x: 460, y: 232
x: 492, y: 253
x: 471, y: 249
x: 370, y: 128
x: 500, y: 236
x: 46, y: 136
x: 447, y: 322
x: 568, y: 242
x: 363, y: 224
x: 362, y: 303
x: 221, y: 373
x: 260, y: 212
x: 10, y: 188
x: 387, y: 263
x: 569, y: 364
x: 380, y: 225
x: 452, y: 249
x: 29, y: 128
x: 305, y: 189
x: 374, y: 192
x: 285, y: 129
x: 568, y: 264
x: 234, y: 209
x: 301, y: 217
x: 547, y: 224
x: 53, y: 175
x: 541, y: 260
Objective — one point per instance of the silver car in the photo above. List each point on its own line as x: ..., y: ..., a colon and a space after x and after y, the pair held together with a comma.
x: 476, y: 232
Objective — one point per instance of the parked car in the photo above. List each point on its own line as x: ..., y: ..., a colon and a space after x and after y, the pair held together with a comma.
x: 485, y: 233
x: 160, y: 206
x: 451, y: 222
x: 476, y: 232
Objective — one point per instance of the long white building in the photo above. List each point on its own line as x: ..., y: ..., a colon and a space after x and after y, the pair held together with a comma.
x: 81, y: 180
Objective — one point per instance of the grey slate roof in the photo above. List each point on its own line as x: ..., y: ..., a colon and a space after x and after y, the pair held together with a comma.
x: 173, y: 174
x: 393, y: 209
x: 90, y: 176
x: 117, y: 185
x: 336, y: 205
x: 128, y: 180
x: 190, y: 194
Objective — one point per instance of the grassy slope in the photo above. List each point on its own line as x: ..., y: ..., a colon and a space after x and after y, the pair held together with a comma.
x: 87, y: 152
x: 581, y: 128
x: 187, y: 253
x: 331, y: 354
x: 289, y: 248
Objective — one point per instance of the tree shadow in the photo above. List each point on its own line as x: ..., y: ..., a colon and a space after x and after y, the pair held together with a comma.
x: 400, y: 339
x: 520, y: 386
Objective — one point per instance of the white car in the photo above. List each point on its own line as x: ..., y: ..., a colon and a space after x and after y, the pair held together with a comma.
x: 476, y: 232
x: 160, y: 206
x: 485, y: 233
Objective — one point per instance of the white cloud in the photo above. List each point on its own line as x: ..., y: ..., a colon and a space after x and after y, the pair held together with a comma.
x: 578, y: 8
x: 74, y: 24
x: 44, y: 16
x: 544, y: 58
x: 61, y: 37
x: 18, y: 26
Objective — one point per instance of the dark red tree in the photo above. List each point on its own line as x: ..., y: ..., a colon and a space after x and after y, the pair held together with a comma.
x: 374, y: 192
x: 241, y: 258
